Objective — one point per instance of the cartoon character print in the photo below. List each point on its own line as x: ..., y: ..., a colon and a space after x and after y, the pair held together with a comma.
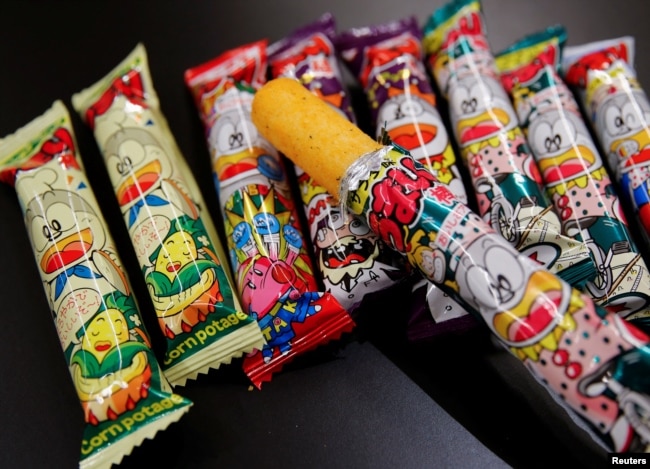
x: 520, y: 302
x: 178, y: 262
x: 238, y: 150
x: 111, y: 360
x: 479, y: 108
x: 622, y: 121
x: 595, y: 369
x: 182, y: 278
x: 349, y: 254
x: 273, y: 273
x: 413, y: 123
x: 74, y: 254
x: 140, y: 170
x: 623, y: 124
x: 68, y: 237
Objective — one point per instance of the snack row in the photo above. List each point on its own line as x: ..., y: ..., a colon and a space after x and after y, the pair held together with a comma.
x: 499, y: 213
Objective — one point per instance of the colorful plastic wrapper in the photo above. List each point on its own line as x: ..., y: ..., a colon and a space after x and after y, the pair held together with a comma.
x: 123, y: 393
x: 175, y: 241
x: 505, y: 177
x: 386, y: 59
x: 353, y: 262
x: 268, y: 252
x: 618, y: 108
x: 574, y: 173
x: 591, y: 360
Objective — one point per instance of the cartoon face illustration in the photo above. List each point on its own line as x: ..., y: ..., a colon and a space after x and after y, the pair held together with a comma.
x: 178, y: 251
x: 480, y: 108
x: 234, y: 141
x: 110, y: 369
x: 106, y: 330
x: 183, y: 281
x: 136, y: 163
x: 622, y: 122
x: 63, y: 228
x: 414, y: 124
x: 265, y: 281
x: 519, y: 303
x: 564, y: 149
x: 347, y: 246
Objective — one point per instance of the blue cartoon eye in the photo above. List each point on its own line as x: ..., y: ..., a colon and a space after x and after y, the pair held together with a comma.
x: 266, y: 223
x: 270, y: 167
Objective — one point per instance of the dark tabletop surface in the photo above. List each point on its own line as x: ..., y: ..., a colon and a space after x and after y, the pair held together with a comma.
x: 371, y: 400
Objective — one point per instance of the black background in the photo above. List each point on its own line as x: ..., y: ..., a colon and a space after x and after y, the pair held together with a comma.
x: 371, y: 400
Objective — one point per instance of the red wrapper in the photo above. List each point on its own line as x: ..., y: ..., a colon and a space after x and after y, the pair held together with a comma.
x: 273, y: 271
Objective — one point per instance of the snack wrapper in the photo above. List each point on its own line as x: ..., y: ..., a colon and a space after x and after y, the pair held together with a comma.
x: 273, y: 271
x: 387, y: 61
x: 177, y: 247
x: 352, y: 261
x: 505, y: 177
x: 593, y: 361
x: 121, y: 388
x: 619, y: 111
x: 574, y: 173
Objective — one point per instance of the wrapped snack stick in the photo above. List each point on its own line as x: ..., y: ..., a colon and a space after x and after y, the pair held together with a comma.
x: 574, y: 173
x: 273, y: 271
x: 122, y: 390
x: 387, y: 61
x: 593, y: 361
x: 175, y: 241
x: 353, y: 262
x: 619, y: 112
x: 506, y: 179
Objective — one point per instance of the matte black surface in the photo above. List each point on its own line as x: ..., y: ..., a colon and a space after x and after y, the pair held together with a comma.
x: 371, y: 401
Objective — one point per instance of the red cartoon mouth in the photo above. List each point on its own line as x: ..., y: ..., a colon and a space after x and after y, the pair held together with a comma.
x: 564, y: 172
x: 102, y: 346
x: 347, y: 254
x: 173, y: 267
x: 139, y: 183
x: 544, y: 311
x: 411, y: 136
x: 478, y: 131
x: 135, y: 191
x: 67, y: 251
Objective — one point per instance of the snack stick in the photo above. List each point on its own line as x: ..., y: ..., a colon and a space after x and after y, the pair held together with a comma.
x: 121, y: 388
x: 273, y: 271
x: 505, y: 176
x: 354, y: 265
x: 175, y: 241
x: 573, y: 346
x: 574, y: 173
x: 387, y: 60
x: 285, y: 131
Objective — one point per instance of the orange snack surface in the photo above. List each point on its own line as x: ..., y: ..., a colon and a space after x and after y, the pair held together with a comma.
x: 309, y: 131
